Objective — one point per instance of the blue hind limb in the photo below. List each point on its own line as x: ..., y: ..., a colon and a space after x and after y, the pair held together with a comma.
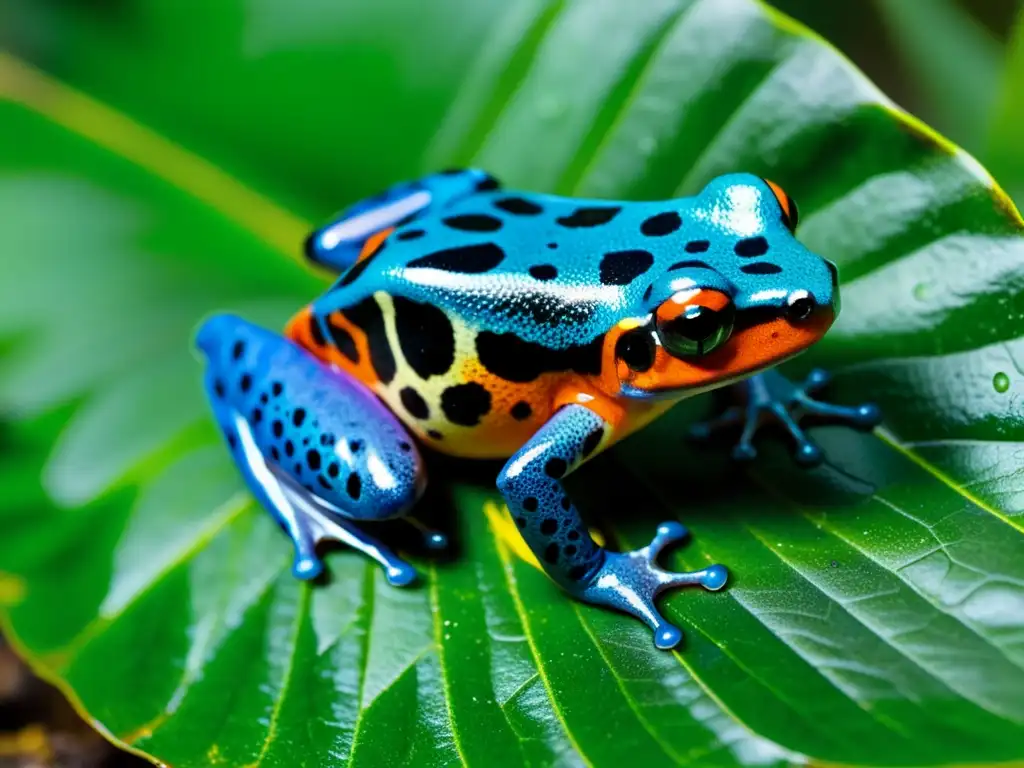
x: 548, y: 521
x: 315, y: 447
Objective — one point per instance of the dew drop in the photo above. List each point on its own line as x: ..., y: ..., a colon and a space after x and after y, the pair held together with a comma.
x: 1001, y: 382
x: 921, y: 291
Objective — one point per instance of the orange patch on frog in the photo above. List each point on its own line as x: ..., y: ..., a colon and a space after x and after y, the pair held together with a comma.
x: 373, y: 242
x: 747, y: 351
x: 298, y: 330
x: 499, y: 433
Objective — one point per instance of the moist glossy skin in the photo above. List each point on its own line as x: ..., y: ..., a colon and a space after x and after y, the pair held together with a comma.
x: 476, y: 321
x: 496, y: 323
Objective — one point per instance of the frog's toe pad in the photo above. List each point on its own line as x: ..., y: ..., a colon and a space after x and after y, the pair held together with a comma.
x: 436, y: 541
x: 808, y: 454
x: 400, y: 574
x: 715, y: 577
x: 631, y: 582
x: 307, y: 567
x: 667, y: 637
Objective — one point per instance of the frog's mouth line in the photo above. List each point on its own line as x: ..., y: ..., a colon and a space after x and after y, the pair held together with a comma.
x: 753, y: 347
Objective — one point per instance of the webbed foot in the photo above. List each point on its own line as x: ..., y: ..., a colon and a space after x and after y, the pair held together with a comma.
x: 771, y: 396
x: 631, y: 581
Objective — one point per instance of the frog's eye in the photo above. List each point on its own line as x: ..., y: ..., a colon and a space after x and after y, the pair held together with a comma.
x: 790, y: 214
x: 636, y: 348
x: 692, y: 324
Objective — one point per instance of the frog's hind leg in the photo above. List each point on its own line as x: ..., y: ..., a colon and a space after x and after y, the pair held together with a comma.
x: 315, y: 446
x: 355, y: 231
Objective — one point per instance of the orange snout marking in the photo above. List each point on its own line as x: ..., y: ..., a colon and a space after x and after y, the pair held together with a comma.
x: 763, y: 345
x: 373, y: 242
x: 747, y: 351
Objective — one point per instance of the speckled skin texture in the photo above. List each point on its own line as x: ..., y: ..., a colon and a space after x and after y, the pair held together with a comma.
x: 326, y: 436
x: 494, y: 323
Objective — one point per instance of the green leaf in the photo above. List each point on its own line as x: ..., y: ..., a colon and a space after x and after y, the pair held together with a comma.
x: 1004, y: 150
x: 876, y: 613
x: 952, y: 58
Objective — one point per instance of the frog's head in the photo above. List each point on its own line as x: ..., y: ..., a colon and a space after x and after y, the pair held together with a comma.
x: 744, y: 295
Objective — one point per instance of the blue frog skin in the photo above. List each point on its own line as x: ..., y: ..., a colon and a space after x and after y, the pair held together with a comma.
x: 489, y: 323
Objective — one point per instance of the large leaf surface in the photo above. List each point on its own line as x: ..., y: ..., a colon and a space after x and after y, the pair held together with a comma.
x: 876, y: 614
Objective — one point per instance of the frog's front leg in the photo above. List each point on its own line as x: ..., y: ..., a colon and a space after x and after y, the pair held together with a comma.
x: 771, y: 395
x: 316, y: 447
x: 552, y: 527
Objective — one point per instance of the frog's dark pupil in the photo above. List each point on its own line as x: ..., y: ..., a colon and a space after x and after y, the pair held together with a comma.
x: 636, y: 349
x: 697, y: 331
x: 697, y: 323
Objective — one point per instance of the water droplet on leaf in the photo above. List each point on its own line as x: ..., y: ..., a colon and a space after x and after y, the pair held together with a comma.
x: 1001, y: 382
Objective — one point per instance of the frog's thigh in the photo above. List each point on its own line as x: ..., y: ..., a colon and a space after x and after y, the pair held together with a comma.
x: 314, y: 445
x: 545, y: 515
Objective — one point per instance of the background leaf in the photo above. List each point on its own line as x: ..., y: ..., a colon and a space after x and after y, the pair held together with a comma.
x: 876, y: 611
x: 954, y: 59
x: 1005, y: 141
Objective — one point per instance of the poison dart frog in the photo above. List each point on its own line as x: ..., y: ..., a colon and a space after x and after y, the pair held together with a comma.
x: 485, y: 322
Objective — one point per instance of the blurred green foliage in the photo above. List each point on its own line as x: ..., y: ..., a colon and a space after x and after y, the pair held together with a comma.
x: 958, y: 64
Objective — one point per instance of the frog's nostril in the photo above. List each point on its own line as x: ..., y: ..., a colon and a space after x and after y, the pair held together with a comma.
x: 800, y: 305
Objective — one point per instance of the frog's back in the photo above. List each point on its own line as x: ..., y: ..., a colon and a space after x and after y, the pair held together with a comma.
x: 468, y: 321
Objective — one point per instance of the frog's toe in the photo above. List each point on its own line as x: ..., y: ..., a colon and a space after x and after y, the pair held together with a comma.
x: 704, y: 430
x: 744, y: 451
x: 773, y: 396
x: 307, y: 567
x: 400, y: 574
x: 808, y: 454
x: 667, y: 534
x: 667, y: 636
x: 631, y: 582
x: 715, y: 577
x: 432, y: 540
x: 816, y: 379
x: 863, y: 416
x: 436, y: 540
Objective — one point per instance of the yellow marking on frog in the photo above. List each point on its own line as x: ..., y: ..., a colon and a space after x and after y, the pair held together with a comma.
x: 12, y: 589
x: 629, y: 323
x: 457, y: 439
x: 505, y: 530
